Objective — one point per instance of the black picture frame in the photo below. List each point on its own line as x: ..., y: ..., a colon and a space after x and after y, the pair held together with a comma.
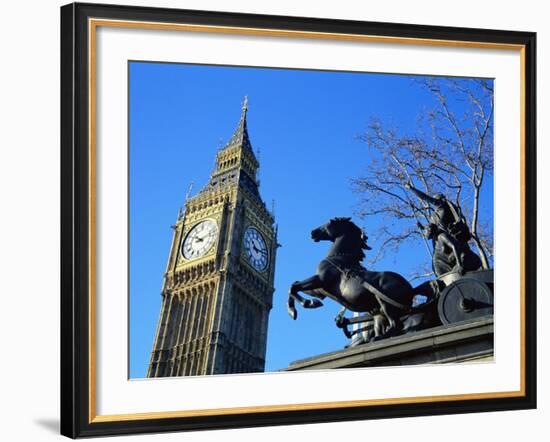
x: 76, y: 416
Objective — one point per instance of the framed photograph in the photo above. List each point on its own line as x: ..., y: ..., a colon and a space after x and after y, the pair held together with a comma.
x: 273, y: 220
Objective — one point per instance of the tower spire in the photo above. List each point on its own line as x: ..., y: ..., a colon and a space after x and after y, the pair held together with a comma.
x: 240, y: 136
x: 236, y: 163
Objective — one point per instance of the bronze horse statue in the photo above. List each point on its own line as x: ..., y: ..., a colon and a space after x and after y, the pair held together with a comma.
x: 387, y: 296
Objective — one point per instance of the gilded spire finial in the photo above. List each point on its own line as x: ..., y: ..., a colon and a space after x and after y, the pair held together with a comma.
x: 245, y: 104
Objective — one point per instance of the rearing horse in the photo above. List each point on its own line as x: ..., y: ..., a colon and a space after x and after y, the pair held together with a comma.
x: 385, y: 295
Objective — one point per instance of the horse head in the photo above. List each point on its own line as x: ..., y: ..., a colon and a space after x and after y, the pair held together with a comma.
x: 338, y: 227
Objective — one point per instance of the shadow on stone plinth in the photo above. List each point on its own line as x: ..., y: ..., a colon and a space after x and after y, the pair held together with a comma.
x: 461, y: 342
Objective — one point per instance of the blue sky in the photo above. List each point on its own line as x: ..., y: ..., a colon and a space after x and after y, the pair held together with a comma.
x: 305, y: 124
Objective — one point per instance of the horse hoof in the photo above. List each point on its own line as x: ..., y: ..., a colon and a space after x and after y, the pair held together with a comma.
x: 313, y: 303
x: 341, y: 321
x: 293, y: 313
x: 389, y: 333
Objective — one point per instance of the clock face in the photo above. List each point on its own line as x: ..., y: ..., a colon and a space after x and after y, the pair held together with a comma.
x: 255, y: 249
x: 199, y: 240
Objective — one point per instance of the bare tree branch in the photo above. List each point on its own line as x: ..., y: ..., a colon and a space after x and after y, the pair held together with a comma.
x: 451, y: 153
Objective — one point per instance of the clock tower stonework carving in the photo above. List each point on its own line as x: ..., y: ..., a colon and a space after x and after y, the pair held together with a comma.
x: 218, y: 286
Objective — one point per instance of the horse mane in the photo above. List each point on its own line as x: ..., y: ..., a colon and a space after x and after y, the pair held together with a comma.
x: 359, y: 231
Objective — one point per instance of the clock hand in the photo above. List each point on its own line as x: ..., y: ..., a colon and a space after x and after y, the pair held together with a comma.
x: 201, y: 238
x: 262, y: 249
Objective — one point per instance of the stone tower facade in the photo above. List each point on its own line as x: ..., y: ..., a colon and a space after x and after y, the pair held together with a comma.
x: 218, y: 285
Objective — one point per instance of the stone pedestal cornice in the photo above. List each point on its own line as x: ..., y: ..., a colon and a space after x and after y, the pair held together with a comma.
x: 461, y: 342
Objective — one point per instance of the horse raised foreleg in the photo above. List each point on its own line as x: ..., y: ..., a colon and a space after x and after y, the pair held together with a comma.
x: 301, y: 286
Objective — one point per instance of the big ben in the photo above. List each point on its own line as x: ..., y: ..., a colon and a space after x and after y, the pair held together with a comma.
x: 218, y: 286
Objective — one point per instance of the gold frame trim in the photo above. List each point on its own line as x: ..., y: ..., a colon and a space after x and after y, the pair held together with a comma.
x: 93, y: 24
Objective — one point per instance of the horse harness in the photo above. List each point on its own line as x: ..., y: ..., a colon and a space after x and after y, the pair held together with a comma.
x: 356, y: 272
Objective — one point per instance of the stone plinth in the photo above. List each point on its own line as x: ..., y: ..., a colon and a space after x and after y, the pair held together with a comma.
x: 465, y: 341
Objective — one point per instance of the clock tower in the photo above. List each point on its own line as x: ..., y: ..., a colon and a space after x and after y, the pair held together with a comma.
x: 218, y: 285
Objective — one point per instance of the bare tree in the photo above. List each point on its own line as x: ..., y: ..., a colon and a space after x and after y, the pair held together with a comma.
x: 451, y: 152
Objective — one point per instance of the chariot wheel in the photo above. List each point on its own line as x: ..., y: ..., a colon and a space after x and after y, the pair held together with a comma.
x: 465, y: 299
